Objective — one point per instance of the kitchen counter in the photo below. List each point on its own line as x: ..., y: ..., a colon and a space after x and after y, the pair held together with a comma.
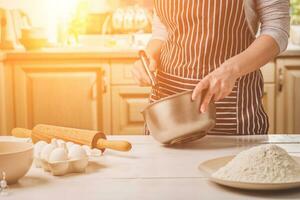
x: 72, y: 53
x: 292, y: 51
x: 151, y: 171
x: 96, y: 52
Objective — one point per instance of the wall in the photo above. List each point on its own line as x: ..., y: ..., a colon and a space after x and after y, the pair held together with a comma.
x: 36, y: 9
x: 45, y: 13
x: 40, y: 10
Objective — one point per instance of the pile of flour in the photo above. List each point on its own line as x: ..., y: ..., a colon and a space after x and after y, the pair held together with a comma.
x: 261, y: 164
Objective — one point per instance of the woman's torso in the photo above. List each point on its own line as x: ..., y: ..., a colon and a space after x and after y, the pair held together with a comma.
x: 202, y: 35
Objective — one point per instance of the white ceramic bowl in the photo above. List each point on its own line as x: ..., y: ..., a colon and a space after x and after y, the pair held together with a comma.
x: 15, y: 159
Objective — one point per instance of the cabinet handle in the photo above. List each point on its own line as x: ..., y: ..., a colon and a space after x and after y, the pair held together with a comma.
x: 104, y: 82
x: 265, y: 93
x: 280, y: 80
x: 104, y: 89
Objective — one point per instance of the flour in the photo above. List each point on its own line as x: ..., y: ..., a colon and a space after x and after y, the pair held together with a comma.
x: 261, y: 164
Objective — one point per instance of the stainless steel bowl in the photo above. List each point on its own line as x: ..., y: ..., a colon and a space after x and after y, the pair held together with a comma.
x: 177, y: 119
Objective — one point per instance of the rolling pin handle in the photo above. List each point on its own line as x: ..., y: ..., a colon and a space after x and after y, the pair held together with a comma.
x: 115, y: 145
x: 21, y: 133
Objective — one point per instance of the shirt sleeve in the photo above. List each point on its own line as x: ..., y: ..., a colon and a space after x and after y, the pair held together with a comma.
x: 275, y: 20
x: 159, y: 30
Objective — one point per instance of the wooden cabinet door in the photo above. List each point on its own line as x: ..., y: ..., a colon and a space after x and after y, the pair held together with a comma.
x: 288, y: 96
x: 59, y: 94
x: 268, y: 72
x: 269, y: 105
x: 6, y: 100
x: 127, y: 104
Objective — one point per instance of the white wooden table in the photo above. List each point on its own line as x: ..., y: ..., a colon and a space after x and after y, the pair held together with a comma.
x: 151, y: 171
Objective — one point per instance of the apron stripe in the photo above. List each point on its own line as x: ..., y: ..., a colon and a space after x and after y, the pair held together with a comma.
x: 196, y: 42
x: 219, y: 36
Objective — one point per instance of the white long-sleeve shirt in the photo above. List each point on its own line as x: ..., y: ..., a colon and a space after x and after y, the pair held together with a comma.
x: 272, y: 15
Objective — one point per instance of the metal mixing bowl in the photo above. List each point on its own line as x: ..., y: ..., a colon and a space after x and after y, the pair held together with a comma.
x: 177, y: 119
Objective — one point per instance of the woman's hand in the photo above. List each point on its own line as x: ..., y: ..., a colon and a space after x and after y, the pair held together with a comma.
x: 218, y: 84
x: 139, y: 73
x: 153, y: 53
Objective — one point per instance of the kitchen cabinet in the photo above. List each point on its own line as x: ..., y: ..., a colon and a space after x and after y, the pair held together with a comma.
x: 127, y: 104
x: 269, y: 105
x: 268, y: 72
x: 6, y: 97
x: 95, y: 90
x: 128, y: 100
x: 69, y: 93
x: 288, y: 95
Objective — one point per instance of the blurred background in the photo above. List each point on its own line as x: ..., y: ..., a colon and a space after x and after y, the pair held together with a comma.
x: 63, y: 22
x: 81, y: 21
x: 68, y: 62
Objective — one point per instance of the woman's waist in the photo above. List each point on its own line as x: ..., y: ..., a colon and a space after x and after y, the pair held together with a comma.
x: 170, y: 84
x: 174, y: 77
x: 185, y: 72
x: 189, y: 79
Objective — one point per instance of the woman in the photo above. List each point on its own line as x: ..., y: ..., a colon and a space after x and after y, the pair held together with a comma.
x: 211, y: 45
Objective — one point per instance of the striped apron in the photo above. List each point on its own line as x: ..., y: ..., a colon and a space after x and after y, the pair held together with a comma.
x: 202, y: 35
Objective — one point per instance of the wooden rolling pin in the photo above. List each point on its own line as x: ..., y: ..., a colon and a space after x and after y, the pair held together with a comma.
x: 93, y: 139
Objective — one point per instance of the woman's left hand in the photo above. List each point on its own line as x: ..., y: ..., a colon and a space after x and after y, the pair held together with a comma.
x: 218, y: 84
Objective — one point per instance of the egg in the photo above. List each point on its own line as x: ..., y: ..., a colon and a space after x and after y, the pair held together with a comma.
x: 96, y: 152
x: 77, y: 145
x: 73, y: 145
x: 69, y: 144
x: 58, y: 154
x: 60, y: 143
x: 76, y: 152
x: 87, y: 149
x: 38, y: 147
x: 47, y: 151
x: 64, y: 146
x: 54, y: 142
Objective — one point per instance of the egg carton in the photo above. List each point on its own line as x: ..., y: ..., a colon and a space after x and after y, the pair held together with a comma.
x: 60, y: 168
x: 60, y: 157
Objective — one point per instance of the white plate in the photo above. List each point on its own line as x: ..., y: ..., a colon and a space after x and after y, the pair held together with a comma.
x: 210, y: 166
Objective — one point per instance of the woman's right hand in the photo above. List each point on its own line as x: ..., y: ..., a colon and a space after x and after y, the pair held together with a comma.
x: 139, y: 73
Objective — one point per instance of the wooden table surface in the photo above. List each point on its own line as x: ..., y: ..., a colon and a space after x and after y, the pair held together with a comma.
x: 151, y: 171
